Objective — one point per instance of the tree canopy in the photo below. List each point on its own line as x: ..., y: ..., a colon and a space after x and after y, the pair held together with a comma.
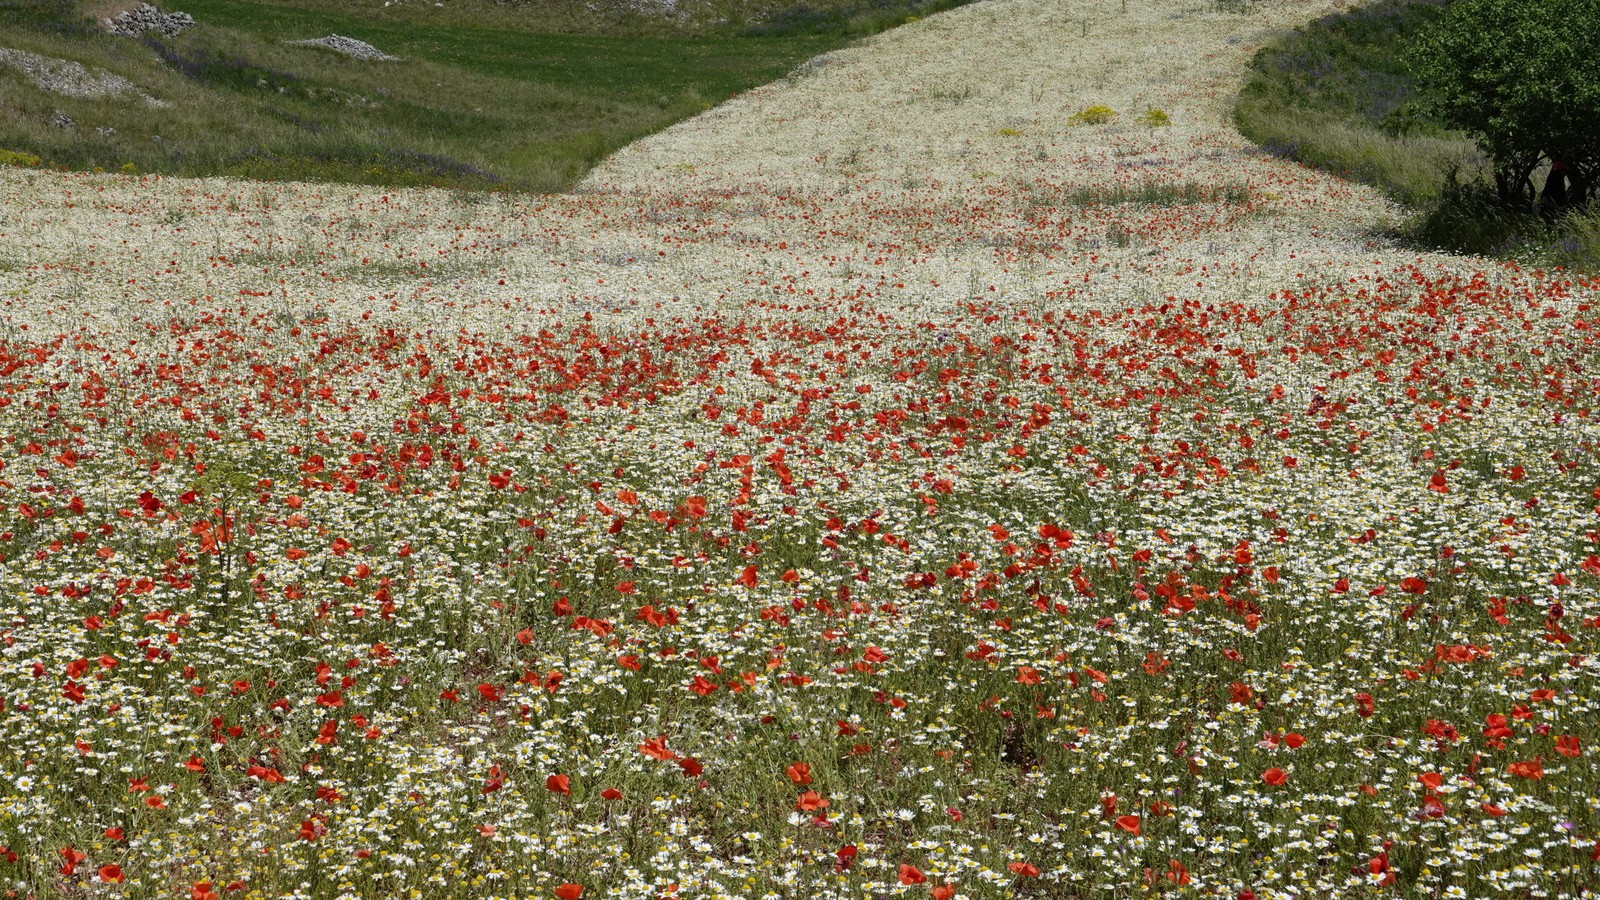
x: 1524, y: 80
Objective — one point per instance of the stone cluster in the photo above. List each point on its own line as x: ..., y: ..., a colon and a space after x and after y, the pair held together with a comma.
x: 145, y: 18
x: 348, y: 46
x: 69, y: 78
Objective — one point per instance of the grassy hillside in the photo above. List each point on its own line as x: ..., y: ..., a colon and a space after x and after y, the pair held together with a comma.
x: 628, y: 18
x: 486, y: 95
x: 1336, y: 94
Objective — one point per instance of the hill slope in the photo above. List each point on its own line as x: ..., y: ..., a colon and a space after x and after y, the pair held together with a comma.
x: 483, y: 95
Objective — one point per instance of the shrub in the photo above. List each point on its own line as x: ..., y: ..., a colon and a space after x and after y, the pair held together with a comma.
x: 1155, y: 118
x: 18, y: 158
x: 1092, y: 115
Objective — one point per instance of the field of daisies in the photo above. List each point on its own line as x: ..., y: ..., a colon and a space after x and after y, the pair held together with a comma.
x: 962, y: 469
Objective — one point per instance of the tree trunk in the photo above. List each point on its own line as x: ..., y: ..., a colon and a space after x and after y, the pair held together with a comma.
x: 1513, y: 181
x: 1554, y: 199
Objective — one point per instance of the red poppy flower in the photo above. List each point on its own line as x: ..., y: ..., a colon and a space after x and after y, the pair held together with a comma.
x: 495, y: 780
x: 1365, y: 705
x: 811, y: 801
x: 558, y: 784
x: 845, y: 856
x: 656, y: 748
x: 1533, y: 769
x: 1275, y: 777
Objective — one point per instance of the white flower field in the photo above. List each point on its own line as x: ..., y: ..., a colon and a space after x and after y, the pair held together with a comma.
x: 905, y: 479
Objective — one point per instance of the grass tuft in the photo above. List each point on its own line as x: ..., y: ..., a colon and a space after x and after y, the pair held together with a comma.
x: 1157, y: 193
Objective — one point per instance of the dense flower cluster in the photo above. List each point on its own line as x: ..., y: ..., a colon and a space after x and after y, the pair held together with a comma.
x: 877, y: 486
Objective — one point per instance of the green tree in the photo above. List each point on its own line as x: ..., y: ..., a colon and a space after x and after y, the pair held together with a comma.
x: 1523, y: 78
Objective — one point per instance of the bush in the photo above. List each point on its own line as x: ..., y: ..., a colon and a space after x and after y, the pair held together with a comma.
x: 15, y: 158
x: 1156, y: 118
x: 1093, y: 115
x: 1523, y: 79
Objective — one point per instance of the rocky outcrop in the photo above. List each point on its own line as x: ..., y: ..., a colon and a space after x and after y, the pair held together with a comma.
x: 68, y: 78
x: 145, y: 18
x: 348, y: 46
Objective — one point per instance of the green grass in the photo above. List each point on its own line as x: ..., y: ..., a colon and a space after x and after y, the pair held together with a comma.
x: 1155, y: 193
x: 1336, y: 95
x: 488, y: 96
x: 59, y: 16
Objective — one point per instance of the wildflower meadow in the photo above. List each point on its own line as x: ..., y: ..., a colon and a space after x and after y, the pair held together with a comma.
x: 965, y: 468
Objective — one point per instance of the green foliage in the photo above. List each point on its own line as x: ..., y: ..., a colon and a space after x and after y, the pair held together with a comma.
x: 1092, y: 115
x: 1524, y: 80
x: 13, y: 158
x: 1155, y: 118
